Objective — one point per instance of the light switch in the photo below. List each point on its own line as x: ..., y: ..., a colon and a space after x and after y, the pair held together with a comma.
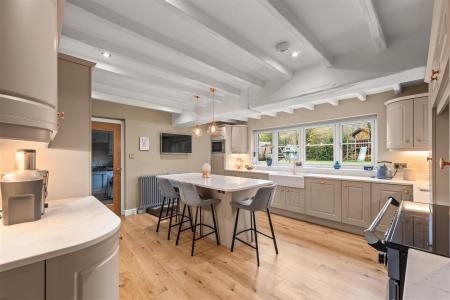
x: 131, y: 156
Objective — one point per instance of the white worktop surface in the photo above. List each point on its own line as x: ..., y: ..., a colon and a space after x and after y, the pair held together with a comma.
x: 218, y: 182
x: 420, y: 187
x: 67, y: 226
x: 427, y: 276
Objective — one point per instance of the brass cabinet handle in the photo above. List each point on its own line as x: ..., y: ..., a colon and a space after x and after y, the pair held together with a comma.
x: 322, y: 182
x: 429, y: 158
x: 443, y: 163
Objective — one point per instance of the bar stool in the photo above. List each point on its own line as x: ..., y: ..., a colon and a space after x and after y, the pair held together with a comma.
x: 170, y: 194
x: 190, y: 198
x: 261, y: 201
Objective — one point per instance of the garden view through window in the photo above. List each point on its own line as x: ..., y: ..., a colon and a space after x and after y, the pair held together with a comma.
x: 319, y: 144
x: 350, y: 142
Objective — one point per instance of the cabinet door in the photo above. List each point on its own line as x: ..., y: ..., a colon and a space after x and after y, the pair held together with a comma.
x: 323, y: 198
x: 239, y: 139
x: 91, y: 273
x: 421, y: 136
x: 218, y: 164
x: 381, y: 193
x: 280, y: 198
x: 27, y: 282
x: 400, y: 122
x: 356, y: 203
x: 295, y: 200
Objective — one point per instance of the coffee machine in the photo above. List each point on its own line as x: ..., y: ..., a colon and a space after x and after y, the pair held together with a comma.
x: 24, y: 191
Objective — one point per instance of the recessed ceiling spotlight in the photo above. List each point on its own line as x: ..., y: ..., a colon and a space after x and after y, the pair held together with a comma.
x: 282, y: 47
x: 106, y: 54
x: 295, y: 54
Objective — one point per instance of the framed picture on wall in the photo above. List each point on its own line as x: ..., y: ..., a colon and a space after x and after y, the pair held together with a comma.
x: 144, y: 143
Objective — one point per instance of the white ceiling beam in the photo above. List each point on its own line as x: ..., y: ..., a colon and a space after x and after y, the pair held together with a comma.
x: 373, y: 21
x: 269, y: 114
x: 86, y: 42
x: 185, y: 7
x: 397, y: 88
x: 361, y: 96
x: 170, y: 44
x: 334, y: 102
x: 291, y: 22
x: 288, y: 110
x: 308, y: 106
x: 128, y: 101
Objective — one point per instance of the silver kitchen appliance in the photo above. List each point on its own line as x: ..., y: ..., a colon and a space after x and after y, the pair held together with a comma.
x: 26, y: 160
x: 22, y: 196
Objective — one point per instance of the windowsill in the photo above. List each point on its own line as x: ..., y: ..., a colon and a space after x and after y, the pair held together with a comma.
x: 345, y: 170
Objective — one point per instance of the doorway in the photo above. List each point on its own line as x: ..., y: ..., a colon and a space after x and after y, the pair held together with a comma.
x: 107, y: 164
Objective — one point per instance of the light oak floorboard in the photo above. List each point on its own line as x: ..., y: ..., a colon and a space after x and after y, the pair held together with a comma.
x: 314, y: 262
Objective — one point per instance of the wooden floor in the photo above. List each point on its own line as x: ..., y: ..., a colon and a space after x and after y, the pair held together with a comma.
x: 314, y: 262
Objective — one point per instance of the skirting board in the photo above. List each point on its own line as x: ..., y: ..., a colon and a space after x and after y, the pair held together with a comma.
x: 129, y: 212
x: 318, y: 221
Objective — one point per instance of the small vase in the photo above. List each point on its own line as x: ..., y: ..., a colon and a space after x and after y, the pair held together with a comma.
x: 337, y: 165
x: 269, y: 161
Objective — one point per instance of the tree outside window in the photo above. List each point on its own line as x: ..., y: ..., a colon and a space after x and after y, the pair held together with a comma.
x: 356, y: 143
x: 288, y: 146
x: 319, y: 145
x: 264, y: 145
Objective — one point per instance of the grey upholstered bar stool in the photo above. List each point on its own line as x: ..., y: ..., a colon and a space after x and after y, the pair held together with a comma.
x: 170, y: 195
x: 261, y: 201
x: 190, y: 198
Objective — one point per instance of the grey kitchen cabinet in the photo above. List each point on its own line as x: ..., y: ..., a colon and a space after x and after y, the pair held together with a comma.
x: 356, y: 203
x: 239, y: 139
x: 27, y: 282
x: 380, y: 194
x: 218, y: 164
x: 74, y: 99
x: 407, y: 123
x: 323, y: 198
x: 280, y: 198
x: 28, y: 64
x: 91, y: 273
x: 295, y: 199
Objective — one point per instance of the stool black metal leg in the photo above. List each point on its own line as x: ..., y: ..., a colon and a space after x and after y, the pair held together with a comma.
x: 215, y: 224
x: 170, y: 219
x: 251, y: 226
x: 190, y: 218
x: 234, y: 231
x: 273, y: 232
x: 201, y: 220
x: 160, y: 214
x: 256, y: 238
x: 181, y: 223
x: 193, y: 233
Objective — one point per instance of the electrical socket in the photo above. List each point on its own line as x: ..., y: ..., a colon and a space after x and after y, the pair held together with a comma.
x: 400, y: 165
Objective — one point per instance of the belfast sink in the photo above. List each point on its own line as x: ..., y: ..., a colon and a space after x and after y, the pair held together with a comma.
x: 289, y: 180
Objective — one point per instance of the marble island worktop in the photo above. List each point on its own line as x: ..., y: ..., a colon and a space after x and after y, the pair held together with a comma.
x: 68, y: 225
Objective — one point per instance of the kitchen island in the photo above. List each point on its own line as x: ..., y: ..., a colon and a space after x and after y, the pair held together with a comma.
x: 71, y: 252
x: 227, y: 189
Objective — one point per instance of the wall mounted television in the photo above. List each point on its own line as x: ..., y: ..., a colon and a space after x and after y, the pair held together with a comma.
x: 176, y: 143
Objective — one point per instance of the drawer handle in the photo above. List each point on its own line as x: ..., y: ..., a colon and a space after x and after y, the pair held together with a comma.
x: 443, y: 163
x: 434, y: 74
x: 322, y: 182
x: 429, y: 158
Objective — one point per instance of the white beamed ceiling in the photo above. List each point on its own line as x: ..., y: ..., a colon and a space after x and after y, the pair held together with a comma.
x: 163, y: 52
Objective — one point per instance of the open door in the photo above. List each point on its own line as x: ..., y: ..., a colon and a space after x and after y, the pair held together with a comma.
x: 106, y: 164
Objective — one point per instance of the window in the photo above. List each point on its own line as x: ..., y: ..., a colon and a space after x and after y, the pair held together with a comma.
x: 350, y: 141
x: 264, y: 145
x: 288, y: 146
x: 319, y: 144
x: 356, y: 143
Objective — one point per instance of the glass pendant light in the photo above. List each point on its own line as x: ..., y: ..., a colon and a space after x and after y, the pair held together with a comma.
x: 197, y: 130
x: 212, y: 129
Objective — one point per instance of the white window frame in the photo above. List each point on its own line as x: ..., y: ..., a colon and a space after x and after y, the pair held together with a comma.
x: 337, y: 142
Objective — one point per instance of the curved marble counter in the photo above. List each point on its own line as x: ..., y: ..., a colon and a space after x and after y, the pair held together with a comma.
x: 68, y: 225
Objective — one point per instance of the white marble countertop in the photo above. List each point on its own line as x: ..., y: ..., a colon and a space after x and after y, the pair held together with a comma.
x: 420, y: 187
x: 67, y: 226
x: 218, y: 182
x: 427, y: 276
